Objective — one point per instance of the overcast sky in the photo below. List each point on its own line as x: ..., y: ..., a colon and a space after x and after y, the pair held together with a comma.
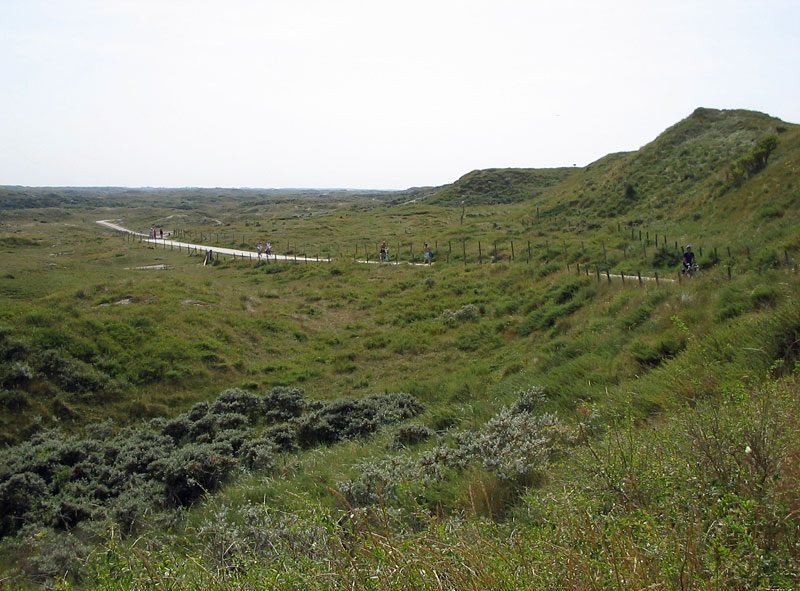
x: 368, y: 93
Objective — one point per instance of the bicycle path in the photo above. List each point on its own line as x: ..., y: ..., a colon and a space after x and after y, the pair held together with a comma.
x: 236, y: 252
x: 279, y: 257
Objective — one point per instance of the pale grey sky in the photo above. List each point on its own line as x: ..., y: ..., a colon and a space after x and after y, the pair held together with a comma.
x: 368, y: 93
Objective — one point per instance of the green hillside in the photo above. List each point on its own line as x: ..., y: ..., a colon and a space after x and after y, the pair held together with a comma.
x: 500, y: 185
x: 549, y: 405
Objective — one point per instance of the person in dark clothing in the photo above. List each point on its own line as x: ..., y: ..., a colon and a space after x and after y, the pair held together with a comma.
x: 688, y: 260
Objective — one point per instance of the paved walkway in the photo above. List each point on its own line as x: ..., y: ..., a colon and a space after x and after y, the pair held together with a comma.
x: 249, y: 254
x: 236, y: 252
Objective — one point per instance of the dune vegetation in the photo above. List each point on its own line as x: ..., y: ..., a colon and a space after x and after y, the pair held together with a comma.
x: 549, y: 405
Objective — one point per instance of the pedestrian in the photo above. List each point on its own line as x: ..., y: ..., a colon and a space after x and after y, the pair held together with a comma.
x: 427, y: 254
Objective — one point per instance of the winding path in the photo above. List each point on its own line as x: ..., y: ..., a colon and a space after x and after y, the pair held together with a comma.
x: 249, y: 254
x: 236, y: 252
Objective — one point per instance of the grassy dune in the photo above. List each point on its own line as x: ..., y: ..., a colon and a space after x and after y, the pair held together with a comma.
x: 515, y: 418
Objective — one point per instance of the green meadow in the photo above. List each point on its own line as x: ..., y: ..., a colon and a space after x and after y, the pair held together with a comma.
x: 550, y: 404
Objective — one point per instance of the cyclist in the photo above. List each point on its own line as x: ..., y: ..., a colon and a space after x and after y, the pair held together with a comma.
x: 688, y: 260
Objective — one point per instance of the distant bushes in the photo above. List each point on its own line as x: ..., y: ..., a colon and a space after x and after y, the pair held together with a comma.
x: 753, y: 162
x: 59, y: 481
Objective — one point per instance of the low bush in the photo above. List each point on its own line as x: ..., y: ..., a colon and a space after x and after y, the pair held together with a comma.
x: 12, y: 400
x: 236, y: 401
x: 71, y: 374
x: 282, y: 404
x: 194, y: 470
x: 515, y: 446
x: 59, y: 481
x: 348, y: 418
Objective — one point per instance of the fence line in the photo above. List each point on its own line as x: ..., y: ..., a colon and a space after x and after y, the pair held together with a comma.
x: 567, y: 254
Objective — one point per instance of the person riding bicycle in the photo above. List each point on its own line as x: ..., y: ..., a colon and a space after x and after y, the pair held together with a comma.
x: 688, y: 260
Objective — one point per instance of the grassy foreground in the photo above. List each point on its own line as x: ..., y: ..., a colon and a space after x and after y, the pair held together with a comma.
x: 704, y: 499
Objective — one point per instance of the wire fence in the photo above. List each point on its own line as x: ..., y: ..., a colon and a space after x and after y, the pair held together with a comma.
x: 629, y: 253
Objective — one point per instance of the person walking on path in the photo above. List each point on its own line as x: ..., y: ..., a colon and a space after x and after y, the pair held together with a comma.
x: 384, y: 251
x: 427, y: 254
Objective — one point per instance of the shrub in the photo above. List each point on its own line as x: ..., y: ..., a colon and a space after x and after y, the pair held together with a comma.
x: 283, y: 437
x: 198, y: 411
x: 16, y: 374
x: 55, y: 555
x: 13, y: 399
x: 72, y: 375
x: 178, y: 428
x: 137, y: 499
x: 282, y: 404
x: 19, y: 495
x: 237, y: 401
x: 258, y: 454
x: 231, y: 420
x: 529, y: 400
x: 348, y: 418
x: 467, y: 313
x: 194, y: 470
x: 136, y: 449
x: 514, y: 444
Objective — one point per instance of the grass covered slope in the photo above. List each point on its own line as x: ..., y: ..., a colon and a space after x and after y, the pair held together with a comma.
x: 374, y: 426
x: 499, y: 185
